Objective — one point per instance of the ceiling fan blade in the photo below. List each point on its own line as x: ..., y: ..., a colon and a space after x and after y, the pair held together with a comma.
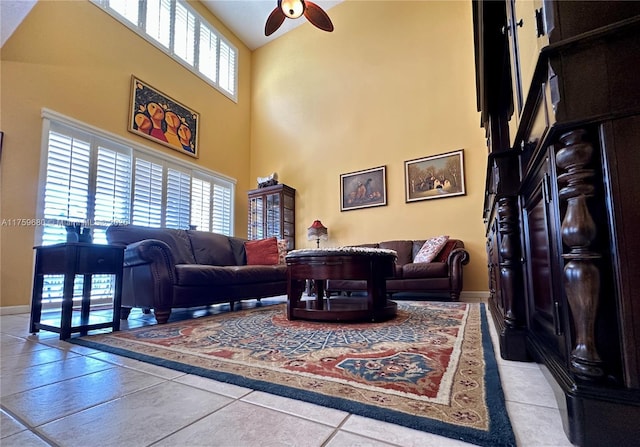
x: 274, y: 21
x: 317, y: 16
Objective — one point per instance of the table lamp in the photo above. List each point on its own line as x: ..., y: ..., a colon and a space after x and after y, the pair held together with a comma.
x: 317, y: 231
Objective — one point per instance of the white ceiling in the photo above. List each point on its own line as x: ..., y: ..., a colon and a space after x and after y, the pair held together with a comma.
x: 12, y: 12
x: 245, y: 18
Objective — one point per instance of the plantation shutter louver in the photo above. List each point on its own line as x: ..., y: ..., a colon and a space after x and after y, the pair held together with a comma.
x: 126, y: 8
x: 66, y: 185
x: 113, y: 191
x: 208, y: 52
x: 178, y: 199
x: 158, y: 23
x: 226, y: 77
x: 221, y: 209
x: 184, y: 34
x: 147, y: 194
x: 201, y: 204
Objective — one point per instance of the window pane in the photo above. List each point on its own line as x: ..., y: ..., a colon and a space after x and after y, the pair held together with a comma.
x: 147, y: 194
x: 208, y: 52
x: 126, y: 8
x: 227, y: 78
x: 67, y: 182
x: 221, y: 210
x: 178, y: 199
x: 158, y: 24
x: 113, y: 187
x: 184, y: 34
x: 201, y: 204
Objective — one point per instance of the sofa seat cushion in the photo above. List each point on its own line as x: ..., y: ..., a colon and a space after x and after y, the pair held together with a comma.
x: 212, y: 275
x: 425, y: 270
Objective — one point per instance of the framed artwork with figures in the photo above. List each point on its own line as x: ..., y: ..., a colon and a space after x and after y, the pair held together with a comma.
x: 435, y: 176
x: 363, y: 189
x: 159, y: 118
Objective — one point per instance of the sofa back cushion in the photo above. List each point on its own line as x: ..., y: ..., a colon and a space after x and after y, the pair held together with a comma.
x: 403, y: 248
x: 211, y: 248
x: 177, y: 240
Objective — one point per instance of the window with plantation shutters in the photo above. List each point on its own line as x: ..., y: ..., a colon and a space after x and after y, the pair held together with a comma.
x: 98, y: 179
x: 67, y: 182
x: 180, y: 32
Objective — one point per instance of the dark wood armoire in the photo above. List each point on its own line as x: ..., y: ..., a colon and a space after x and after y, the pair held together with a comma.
x: 558, y: 88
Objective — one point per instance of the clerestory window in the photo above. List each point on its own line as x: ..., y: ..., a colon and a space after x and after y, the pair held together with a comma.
x: 178, y: 30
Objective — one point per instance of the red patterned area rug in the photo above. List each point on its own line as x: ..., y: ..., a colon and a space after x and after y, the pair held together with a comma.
x: 431, y: 368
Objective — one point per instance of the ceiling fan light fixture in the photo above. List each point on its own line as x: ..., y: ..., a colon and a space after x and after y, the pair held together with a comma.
x: 292, y: 8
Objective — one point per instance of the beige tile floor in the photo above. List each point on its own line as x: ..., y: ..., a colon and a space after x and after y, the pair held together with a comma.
x: 60, y: 394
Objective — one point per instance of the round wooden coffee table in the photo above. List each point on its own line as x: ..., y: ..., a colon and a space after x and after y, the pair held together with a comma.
x: 371, y: 264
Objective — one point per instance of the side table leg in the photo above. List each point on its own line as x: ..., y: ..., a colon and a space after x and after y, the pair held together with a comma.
x: 319, y: 293
x: 67, y: 307
x: 36, y: 304
x: 117, y: 302
x: 85, y: 307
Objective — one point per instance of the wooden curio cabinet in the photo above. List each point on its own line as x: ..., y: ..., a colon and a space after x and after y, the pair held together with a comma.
x: 559, y: 96
x: 272, y: 212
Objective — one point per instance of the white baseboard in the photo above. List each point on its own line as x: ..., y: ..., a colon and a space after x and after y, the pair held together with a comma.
x: 474, y: 297
x: 15, y: 310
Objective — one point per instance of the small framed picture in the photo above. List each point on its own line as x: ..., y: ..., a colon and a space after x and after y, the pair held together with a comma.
x: 435, y: 177
x: 363, y: 189
x: 155, y: 116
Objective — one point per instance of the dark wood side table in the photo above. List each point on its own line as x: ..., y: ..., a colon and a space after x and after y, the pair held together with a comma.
x: 372, y: 265
x: 71, y: 259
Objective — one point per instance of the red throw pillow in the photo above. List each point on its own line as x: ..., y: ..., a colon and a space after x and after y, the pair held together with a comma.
x: 262, y: 251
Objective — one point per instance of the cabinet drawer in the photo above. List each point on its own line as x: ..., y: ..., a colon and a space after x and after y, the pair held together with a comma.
x: 99, y: 259
x: 537, y: 127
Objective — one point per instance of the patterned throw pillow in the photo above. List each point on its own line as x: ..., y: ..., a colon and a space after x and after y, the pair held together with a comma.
x: 283, y: 245
x: 262, y: 251
x: 430, y: 249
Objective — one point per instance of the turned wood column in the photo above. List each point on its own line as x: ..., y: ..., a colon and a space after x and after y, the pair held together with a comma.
x: 581, y: 273
x: 509, y: 256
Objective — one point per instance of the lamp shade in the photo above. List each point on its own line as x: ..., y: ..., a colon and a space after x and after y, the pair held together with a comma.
x: 317, y: 231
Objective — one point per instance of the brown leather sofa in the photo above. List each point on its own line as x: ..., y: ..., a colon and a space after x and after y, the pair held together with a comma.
x: 165, y: 269
x: 442, y: 276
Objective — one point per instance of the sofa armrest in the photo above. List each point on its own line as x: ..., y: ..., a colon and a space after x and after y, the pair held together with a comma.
x: 149, y: 251
x: 457, y: 258
x: 148, y: 275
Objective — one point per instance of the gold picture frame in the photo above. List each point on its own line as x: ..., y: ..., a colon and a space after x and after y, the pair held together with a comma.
x: 363, y: 189
x: 435, y: 176
x: 159, y: 118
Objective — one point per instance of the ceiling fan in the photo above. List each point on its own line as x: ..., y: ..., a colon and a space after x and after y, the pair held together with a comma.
x: 294, y: 9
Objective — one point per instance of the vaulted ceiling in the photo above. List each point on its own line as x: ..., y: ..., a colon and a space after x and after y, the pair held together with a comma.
x: 245, y: 18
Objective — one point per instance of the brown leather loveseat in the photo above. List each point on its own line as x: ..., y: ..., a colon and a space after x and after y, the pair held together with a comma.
x: 442, y: 276
x: 166, y: 269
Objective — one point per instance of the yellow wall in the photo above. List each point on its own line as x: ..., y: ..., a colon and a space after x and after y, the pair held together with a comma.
x: 73, y: 58
x: 394, y: 82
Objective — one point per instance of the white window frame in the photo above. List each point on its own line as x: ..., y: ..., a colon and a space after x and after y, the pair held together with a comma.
x: 110, y: 141
x: 225, y: 49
